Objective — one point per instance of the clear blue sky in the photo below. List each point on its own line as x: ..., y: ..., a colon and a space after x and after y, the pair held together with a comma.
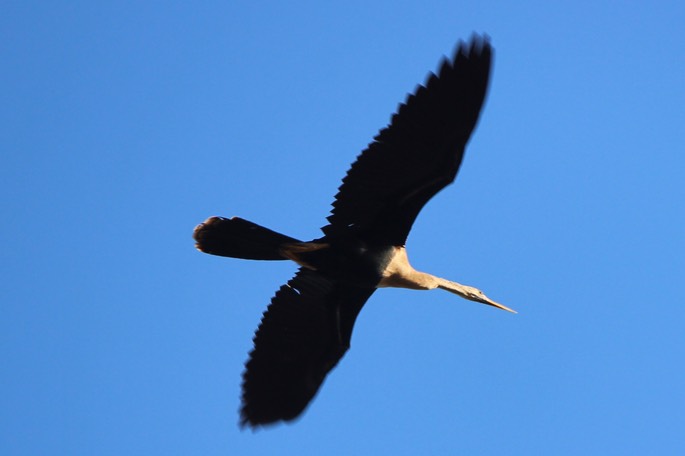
x: 124, y: 124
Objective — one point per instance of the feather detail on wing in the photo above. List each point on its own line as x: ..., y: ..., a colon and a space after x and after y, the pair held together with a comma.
x: 419, y: 153
x: 304, y: 332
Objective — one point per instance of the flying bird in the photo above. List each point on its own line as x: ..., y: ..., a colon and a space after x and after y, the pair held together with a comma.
x: 307, y: 327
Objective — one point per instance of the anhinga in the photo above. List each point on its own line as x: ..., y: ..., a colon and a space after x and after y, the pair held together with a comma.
x: 307, y: 327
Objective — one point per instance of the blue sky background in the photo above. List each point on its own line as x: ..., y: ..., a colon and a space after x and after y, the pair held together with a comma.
x: 124, y: 124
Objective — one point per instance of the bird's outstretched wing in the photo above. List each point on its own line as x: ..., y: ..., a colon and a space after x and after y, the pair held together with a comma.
x: 419, y: 153
x: 303, y: 334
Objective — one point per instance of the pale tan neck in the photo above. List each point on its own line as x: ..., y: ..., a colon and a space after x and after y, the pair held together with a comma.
x: 400, y: 274
x: 454, y: 287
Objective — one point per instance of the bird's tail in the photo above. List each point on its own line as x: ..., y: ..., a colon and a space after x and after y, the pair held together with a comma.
x: 239, y: 238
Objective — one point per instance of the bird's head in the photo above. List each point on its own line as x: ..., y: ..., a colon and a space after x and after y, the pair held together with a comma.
x: 470, y: 293
x: 474, y: 294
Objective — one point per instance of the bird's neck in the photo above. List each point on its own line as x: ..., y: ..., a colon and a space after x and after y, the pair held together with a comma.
x: 452, y: 287
x: 400, y: 274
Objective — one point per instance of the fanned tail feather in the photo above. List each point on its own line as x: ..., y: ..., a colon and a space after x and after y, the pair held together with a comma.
x: 238, y: 238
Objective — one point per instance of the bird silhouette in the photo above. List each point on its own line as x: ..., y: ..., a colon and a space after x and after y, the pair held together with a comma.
x: 307, y: 327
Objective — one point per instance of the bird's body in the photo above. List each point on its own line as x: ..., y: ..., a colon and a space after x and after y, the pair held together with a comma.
x: 307, y: 328
x: 347, y: 260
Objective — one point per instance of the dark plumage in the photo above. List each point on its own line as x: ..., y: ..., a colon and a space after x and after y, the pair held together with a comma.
x: 307, y: 327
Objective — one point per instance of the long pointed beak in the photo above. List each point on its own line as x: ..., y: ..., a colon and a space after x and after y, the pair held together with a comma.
x: 490, y: 302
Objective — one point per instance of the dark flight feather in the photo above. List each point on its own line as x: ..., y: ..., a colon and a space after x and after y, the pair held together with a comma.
x: 419, y: 153
x: 303, y: 334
